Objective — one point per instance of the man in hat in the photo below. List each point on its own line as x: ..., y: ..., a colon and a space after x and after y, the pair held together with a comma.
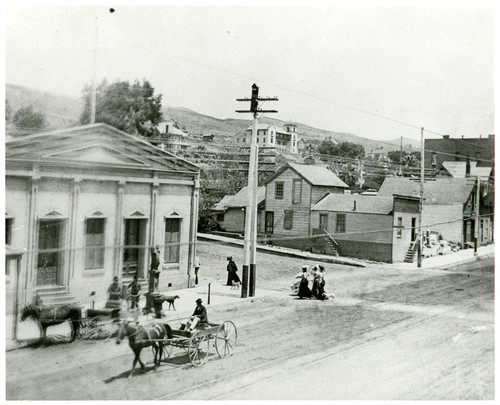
x: 199, y: 316
x: 115, y: 290
x: 154, y: 271
x: 231, y: 271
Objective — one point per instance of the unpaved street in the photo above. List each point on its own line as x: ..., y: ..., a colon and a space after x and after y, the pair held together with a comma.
x: 390, y: 334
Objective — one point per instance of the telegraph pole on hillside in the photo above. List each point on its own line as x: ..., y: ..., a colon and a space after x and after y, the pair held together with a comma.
x: 476, y: 222
x: 249, y: 272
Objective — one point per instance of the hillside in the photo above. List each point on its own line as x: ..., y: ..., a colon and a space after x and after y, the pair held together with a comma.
x: 62, y: 112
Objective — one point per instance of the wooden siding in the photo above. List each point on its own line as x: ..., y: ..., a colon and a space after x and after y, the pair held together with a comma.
x: 278, y: 206
x: 358, y: 226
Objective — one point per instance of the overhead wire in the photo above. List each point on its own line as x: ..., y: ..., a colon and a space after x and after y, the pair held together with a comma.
x: 157, y: 51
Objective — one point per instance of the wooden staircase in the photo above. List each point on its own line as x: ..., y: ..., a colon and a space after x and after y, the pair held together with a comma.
x: 332, y: 247
x: 53, y: 296
x: 410, y: 253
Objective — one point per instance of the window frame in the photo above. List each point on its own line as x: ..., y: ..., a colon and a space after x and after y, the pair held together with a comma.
x: 294, y: 189
x: 220, y: 217
x: 278, y: 195
x: 340, y: 225
x: 288, y: 219
x: 399, y: 232
x: 168, y: 250
x: 9, y: 225
x: 96, y: 247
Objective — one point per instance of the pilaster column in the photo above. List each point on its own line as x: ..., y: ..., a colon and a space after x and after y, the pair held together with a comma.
x: 73, y: 222
x: 31, y: 264
x: 118, y: 229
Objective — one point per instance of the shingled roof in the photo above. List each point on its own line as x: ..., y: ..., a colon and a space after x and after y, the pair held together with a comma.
x: 366, y: 204
x: 459, y: 169
x: 439, y: 191
x: 240, y: 199
x: 315, y: 175
x: 94, y: 145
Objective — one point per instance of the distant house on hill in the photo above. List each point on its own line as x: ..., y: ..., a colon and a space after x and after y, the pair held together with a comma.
x: 367, y: 226
x: 230, y: 211
x: 86, y: 204
x: 168, y: 136
x: 208, y: 137
x: 270, y: 135
x: 290, y: 194
x: 448, y: 207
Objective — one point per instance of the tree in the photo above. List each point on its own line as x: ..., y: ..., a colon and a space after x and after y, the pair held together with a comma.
x: 344, y: 149
x: 8, y: 111
x: 124, y: 106
x: 27, y: 118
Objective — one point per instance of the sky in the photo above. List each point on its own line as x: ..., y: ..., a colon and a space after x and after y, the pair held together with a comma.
x: 378, y: 72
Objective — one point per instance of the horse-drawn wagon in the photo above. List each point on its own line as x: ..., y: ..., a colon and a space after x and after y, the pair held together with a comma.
x: 162, y: 338
x: 197, y: 343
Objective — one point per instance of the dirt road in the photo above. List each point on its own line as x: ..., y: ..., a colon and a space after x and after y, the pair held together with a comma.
x: 390, y: 334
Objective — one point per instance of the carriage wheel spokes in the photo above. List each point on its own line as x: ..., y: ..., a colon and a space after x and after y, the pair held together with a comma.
x: 225, y: 339
x: 198, y: 348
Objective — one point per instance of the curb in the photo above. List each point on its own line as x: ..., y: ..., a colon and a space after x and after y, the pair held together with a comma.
x: 305, y: 255
x: 465, y: 261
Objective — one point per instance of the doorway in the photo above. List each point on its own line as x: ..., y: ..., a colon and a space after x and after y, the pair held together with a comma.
x: 269, y: 228
x: 50, y: 256
x: 413, y: 229
x: 134, y: 248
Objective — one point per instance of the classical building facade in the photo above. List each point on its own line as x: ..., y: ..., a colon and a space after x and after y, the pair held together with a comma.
x: 86, y: 204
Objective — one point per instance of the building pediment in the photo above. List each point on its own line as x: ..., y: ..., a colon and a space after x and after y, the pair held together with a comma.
x: 97, y: 154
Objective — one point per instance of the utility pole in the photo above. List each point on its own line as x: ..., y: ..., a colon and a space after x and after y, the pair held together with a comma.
x: 94, y: 91
x: 476, y: 225
x: 249, y: 272
x: 421, y: 204
x: 401, y: 157
x: 360, y: 168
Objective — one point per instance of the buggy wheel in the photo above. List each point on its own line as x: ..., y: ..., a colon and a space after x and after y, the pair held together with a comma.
x: 198, y: 348
x: 225, y: 339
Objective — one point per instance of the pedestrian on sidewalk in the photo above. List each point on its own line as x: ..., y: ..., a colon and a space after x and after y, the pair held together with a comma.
x: 154, y: 272
x: 134, y: 287
x: 232, y: 274
x: 196, y: 268
x: 304, y: 291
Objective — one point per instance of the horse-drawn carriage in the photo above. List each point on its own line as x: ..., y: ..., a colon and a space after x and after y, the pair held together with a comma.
x: 162, y: 338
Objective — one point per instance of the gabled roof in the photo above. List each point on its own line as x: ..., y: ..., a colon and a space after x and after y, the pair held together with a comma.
x: 241, y: 197
x: 365, y: 204
x: 95, y: 145
x: 439, y: 191
x: 261, y: 126
x: 315, y: 175
x: 459, y: 169
x: 172, y: 129
x: 222, y: 203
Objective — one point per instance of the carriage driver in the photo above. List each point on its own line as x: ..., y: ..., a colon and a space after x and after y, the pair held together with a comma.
x: 199, y: 316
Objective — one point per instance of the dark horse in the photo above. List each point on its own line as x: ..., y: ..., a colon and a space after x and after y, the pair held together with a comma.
x: 140, y: 337
x: 54, y: 316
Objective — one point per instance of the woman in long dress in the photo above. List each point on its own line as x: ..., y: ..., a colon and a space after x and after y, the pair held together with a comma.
x: 304, y: 291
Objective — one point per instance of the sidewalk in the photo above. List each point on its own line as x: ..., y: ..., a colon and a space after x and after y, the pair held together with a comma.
x: 221, y: 294
x: 452, y: 259
x: 28, y: 332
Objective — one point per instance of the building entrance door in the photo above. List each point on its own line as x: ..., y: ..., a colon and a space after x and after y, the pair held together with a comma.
x: 50, y: 253
x: 413, y: 228
x: 269, y: 228
x: 135, y: 248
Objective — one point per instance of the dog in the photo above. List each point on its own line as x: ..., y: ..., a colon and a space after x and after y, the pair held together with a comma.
x: 171, y: 301
x: 235, y: 285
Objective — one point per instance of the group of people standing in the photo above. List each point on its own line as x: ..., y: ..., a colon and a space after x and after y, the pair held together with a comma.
x: 317, y: 291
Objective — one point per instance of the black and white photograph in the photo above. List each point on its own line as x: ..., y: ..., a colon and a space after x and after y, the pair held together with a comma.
x: 262, y: 201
